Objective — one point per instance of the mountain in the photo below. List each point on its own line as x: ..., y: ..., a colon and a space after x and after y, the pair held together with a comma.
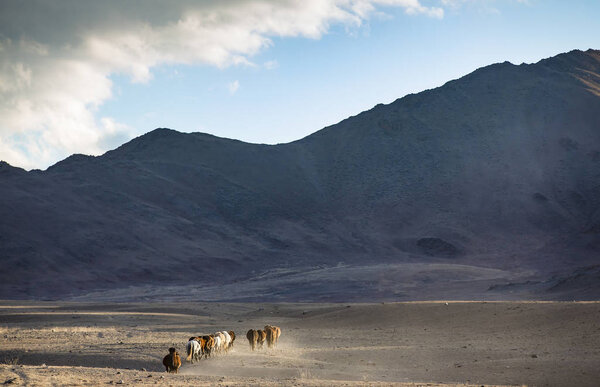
x: 486, y: 187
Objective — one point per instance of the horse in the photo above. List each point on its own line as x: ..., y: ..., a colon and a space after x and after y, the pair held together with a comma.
x: 218, y: 342
x: 193, y: 349
x: 172, y: 361
x: 202, y: 342
x: 252, y: 336
x: 232, y: 335
x: 270, y: 333
x: 276, y: 333
x: 262, y: 336
x: 227, y: 341
x: 209, y: 344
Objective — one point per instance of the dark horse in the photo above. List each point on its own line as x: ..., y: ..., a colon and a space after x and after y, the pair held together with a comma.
x: 172, y: 361
x: 252, y: 337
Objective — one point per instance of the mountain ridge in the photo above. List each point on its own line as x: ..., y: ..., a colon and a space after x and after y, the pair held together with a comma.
x: 498, y: 169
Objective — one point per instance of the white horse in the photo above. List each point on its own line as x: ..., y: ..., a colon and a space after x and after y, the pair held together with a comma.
x: 227, y: 340
x: 194, y: 351
x: 218, y: 343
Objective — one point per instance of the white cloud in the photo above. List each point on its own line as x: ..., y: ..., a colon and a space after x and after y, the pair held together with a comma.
x: 271, y: 64
x: 56, y: 57
x: 233, y: 87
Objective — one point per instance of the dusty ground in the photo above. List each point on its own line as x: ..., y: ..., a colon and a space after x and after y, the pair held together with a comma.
x: 422, y: 343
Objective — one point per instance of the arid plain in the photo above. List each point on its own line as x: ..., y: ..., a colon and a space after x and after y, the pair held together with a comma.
x: 415, y: 343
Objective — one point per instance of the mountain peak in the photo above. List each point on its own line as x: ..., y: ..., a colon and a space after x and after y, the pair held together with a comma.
x: 6, y: 168
x: 574, y: 61
x: 161, y: 132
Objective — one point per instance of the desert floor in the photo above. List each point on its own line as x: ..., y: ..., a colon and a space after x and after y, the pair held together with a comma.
x: 418, y: 343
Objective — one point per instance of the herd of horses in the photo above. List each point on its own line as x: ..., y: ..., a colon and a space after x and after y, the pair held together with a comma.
x: 208, y: 345
x: 257, y: 337
x: 219, y: 342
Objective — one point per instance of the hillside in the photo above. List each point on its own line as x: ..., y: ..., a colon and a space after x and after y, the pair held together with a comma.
x: 486, y: 187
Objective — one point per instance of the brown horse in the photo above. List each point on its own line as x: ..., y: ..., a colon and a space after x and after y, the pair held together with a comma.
x: 172, y: 361
x: 202, y: 342
x: 262, y: 336
x: 252, y: 336
x: 277, y: 333
x: 232, y: 334
x: 209, y: 344
x: 270, y: 332
x: 273, y: 333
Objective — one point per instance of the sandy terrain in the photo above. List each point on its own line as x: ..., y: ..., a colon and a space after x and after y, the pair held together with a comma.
x: 421, y: 343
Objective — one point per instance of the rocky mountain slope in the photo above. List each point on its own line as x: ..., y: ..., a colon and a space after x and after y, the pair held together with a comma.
x: 486, y: 187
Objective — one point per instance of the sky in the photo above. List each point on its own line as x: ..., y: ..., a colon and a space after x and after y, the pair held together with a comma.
x: 84, y: 76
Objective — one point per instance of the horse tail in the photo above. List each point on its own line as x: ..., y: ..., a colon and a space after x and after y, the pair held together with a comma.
x: 189, y: 350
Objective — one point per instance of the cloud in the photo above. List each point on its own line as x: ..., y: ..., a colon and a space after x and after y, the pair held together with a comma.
x: 233, y: 87
x: 271, y: 64
x: 57, y: 57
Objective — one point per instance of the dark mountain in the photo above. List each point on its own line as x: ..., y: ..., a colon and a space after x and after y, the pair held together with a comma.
x: 486, y: 187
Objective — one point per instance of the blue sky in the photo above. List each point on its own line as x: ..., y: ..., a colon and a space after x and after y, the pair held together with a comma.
x: 271, y: 84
